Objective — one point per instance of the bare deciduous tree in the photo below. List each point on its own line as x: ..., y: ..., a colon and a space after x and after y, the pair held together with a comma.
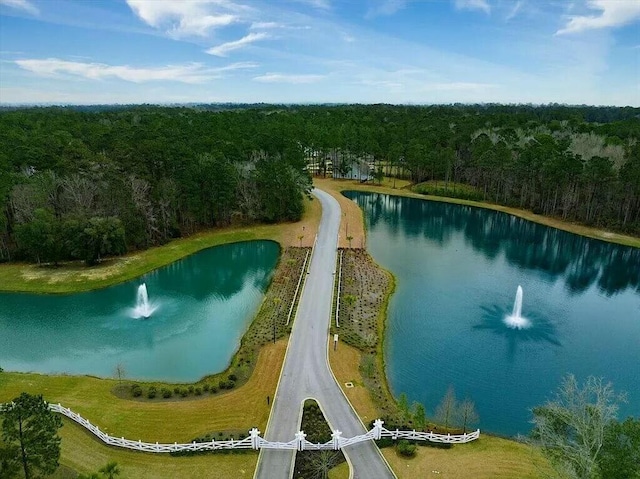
x: 571, y: 428
x: 446, y: 410
x: 466, y: 414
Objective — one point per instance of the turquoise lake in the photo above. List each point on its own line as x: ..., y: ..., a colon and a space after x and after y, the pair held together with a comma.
x: 203, y: 306
x: 457, y: 270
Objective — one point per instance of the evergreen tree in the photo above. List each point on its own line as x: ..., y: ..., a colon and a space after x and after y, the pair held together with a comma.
x: 29, y: 430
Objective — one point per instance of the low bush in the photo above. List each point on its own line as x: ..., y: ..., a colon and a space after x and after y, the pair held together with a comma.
x: 166, y: 393
x: 136, y: 391
x: 405, y: 448
x: 227, y: 384
x: 152, y: 392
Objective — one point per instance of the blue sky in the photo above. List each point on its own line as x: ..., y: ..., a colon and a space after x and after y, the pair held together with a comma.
x: 302, y: 51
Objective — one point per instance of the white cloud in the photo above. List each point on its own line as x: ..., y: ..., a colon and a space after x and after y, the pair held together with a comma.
x: 186, y: 17
x: 189, y: 73
x: 473, y: 5
x: 284, y: 78
x: 223, y: 49
x: 613, y: 13
x: 21, y: 5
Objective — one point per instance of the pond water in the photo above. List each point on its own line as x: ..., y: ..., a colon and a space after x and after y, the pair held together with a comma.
x: 202, y: 305
x: 457, y: 271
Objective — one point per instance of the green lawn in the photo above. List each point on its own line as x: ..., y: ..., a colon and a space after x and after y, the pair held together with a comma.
x: 486, y: 458
x: 82, y: 453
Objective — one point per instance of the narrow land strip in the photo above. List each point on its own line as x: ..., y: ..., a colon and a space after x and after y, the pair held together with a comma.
x: 306, y: 372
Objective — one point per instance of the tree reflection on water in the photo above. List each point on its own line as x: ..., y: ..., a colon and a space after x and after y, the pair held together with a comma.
x: 579, y: 261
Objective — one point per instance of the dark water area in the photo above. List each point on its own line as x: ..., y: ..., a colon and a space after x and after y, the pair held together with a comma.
x: 203, y: 305
x: 457, y: 270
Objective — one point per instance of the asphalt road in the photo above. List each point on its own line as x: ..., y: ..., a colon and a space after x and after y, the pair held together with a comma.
x: 306, y: 372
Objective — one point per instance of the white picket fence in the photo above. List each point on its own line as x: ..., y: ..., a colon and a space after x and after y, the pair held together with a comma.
x: 254, y: 441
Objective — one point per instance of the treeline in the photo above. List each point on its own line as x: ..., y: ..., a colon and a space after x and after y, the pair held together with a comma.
x: 84, y: 185
x: 91, y: 182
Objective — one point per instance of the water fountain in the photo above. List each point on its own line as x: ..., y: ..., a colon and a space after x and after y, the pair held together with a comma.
x: 515, y: 320
x: 143, y: 308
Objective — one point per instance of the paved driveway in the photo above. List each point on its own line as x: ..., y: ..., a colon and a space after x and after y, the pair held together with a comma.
x: 306, y: 372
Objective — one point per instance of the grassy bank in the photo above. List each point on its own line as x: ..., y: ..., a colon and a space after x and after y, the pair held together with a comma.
x: 150, y: 421
x: 172, y: 420
x: 81, y: 453
x: 75, y: 276
x: 487, y: 458
x: 338, y: 186
x: 359, y: 362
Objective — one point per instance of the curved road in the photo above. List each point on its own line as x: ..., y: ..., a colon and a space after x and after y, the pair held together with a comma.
x: 306, y: 372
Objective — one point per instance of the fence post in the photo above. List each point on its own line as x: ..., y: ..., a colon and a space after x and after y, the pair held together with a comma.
x: 254, y: 433
x: 377, y: 429
x: 335, y: 435
x: 300, y: 435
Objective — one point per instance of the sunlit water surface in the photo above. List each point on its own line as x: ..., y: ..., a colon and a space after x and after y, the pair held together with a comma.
x: 457, y: 270
x: 200, y: 307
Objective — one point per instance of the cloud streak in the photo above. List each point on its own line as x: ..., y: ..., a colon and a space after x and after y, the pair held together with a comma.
x: 223, y: 49
x: 386, y: 7
x: 284, y: 78
x: 21, y: 5
x: 188, y: 73
x: 612, y: 14
x: 473, y: 5
x: 514, y: 10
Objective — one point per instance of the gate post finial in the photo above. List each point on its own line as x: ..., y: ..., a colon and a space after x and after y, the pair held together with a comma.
x: 300, y: 435
x: 335, y: 435
x: 377, y: 429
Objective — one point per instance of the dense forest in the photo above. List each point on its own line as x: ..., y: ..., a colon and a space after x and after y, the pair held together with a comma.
x: 81, y: 183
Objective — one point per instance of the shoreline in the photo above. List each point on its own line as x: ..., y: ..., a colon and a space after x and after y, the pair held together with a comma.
x: 75, y: 277
x: 339, y: 186
x: 337, y: 189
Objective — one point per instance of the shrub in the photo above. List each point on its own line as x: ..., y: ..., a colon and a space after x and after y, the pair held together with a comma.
x: 166, y: 393
x: 152, y: 392
x: 233, y: 377
x: 206, y: 387
x: 198, y: 391
x: 191, y: 389
x: 136, y: 391
x: 227, y: 384
x: 184, y: 392
x: 213, y: 389
x: 405, y: 448
x: 176, y: 390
